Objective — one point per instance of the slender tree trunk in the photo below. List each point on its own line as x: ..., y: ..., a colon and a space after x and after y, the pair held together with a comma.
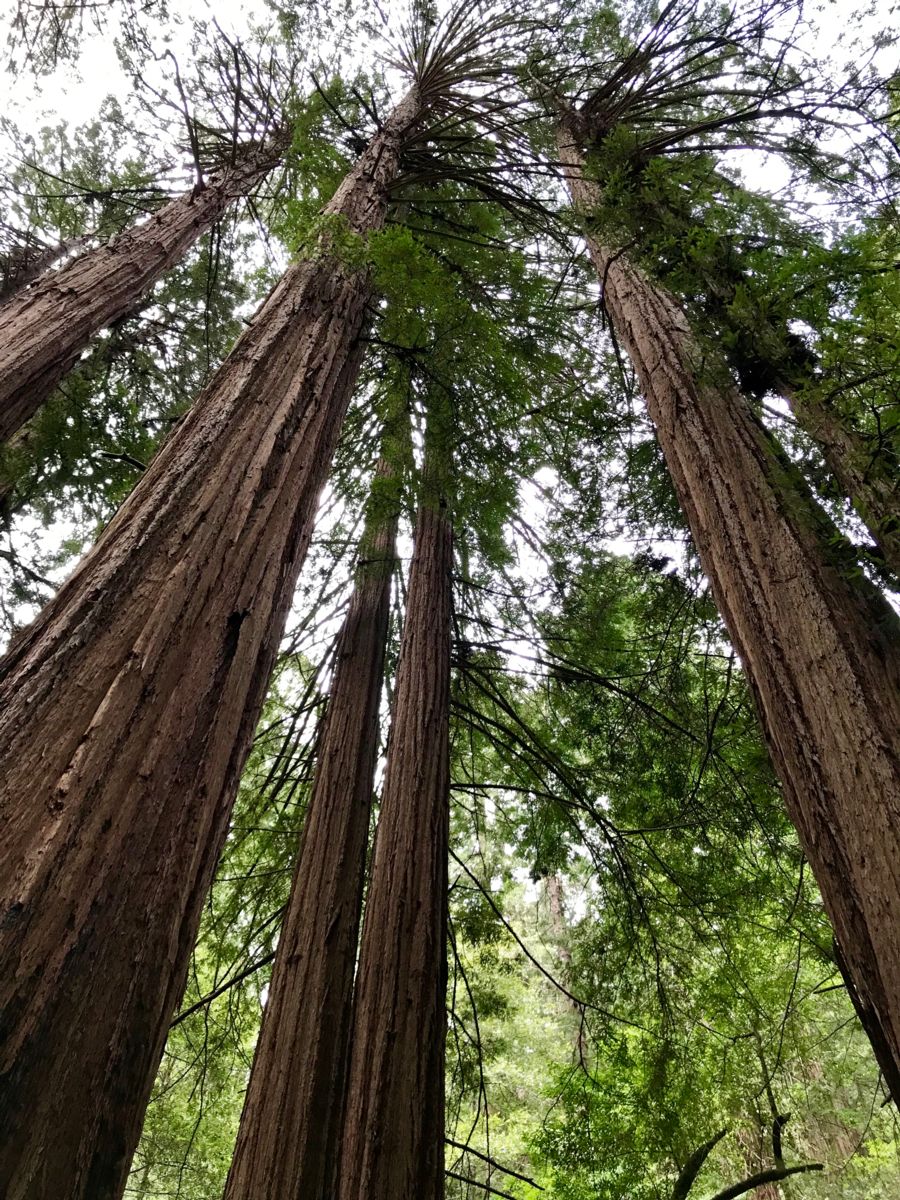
x: 867, y: 485
x: 555, y: 894
x: 393, y: 1139
x: 865, y: 479
x: 23, y: 264
x: 820, y: 649
x: 290, y: 1125
x: 870, y: 1020
x: 126, y: 711
x: 44, y: 328
x: 17, y: 444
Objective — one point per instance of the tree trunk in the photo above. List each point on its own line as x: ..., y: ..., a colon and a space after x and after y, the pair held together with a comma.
x: 874, y: 495
x: 393, y: 1138
x: 44, y: 328
x: 127, y: 708
x: 27, y: 261
x: 871, y: 1023
x: 820, y: 648
x: 555, y: 894
x: 290, y: 1125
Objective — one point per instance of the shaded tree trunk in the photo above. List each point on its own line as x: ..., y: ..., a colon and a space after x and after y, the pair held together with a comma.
x: 556, y: 906
x: 17, y: 444
x: 127, y: 708
x: 819, y: 647
x: 18, y: 487
x: 27, y: 260
x: 871, y: 1023
x: 44, y: 328
x: 290, y: 1125
x: 865, y: 483
x: 393, y: 1137
x: 780, y: 362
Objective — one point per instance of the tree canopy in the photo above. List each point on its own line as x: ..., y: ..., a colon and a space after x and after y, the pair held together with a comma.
x: 645, y: 999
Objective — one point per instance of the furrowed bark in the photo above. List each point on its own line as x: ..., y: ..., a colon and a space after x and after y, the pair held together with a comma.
x: 126, y: 711
x: 393, y: 1135
x: 820, y: 649
x: 287, y: 1140
x: 44, y: 328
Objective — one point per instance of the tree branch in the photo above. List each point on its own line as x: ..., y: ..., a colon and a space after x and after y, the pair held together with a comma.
x: 693, y: 1166
x: 773, y: 1175
x: 475, y: 1183
x: 492, y: 1163
x: 222, y: 988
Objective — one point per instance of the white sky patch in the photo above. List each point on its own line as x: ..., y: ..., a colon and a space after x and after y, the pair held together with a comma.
x: 75, y: 92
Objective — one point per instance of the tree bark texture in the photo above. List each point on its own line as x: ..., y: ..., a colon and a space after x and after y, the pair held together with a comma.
x: 44, y: 328
x: 393, y: 1139
x: 126, y: 711
x: 820, y: 650
x: 286, y: 1144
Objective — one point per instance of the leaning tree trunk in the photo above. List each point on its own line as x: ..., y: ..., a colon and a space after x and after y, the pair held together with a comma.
x: 867, y: 485
x: 820, y: 649
x: 127, y: 708
x: 290, y: 1125
x: 44, y: 328
x: 20, y: 449
x: 393, y: 1138
x: 27, y: 261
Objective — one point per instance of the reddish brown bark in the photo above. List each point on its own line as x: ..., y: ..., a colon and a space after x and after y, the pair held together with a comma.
x: 820, y: 648
x: 393, y: 1140
x: 44, y: 328
x: 291, y: 1120
x: 126, y: 711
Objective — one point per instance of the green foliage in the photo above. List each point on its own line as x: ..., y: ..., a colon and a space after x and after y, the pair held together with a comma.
x: 639, y: 957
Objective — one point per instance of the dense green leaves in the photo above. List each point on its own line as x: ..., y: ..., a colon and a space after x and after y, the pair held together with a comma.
x: 639, y: 958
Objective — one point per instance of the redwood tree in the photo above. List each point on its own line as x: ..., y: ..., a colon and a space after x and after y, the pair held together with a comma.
x: 819, y: 646
x: 44, y: 328
x: 291, y: 1119
x: 393, y: 1134
x: 710, y: 241
x: 127, y: 707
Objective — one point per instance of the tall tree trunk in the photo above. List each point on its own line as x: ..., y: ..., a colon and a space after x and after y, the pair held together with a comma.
x: 867, y: 485
x: 26, y: 261
x: 290, y: 1125
x: 20, y: 449
x: 44, y: 328
x: 820, y: 649
x: 865, y: 479
x: 393, y: 1139
x: 127, y: 708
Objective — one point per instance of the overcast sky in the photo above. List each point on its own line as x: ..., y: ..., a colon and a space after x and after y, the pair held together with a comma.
x: 75, y: 92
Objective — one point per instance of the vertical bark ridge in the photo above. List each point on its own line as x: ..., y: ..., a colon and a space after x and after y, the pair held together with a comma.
x: 290, y: 1124
x: 820, y: 650
x: 126, y: 712
x: 393, y: 1138
x: 44, y: 328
